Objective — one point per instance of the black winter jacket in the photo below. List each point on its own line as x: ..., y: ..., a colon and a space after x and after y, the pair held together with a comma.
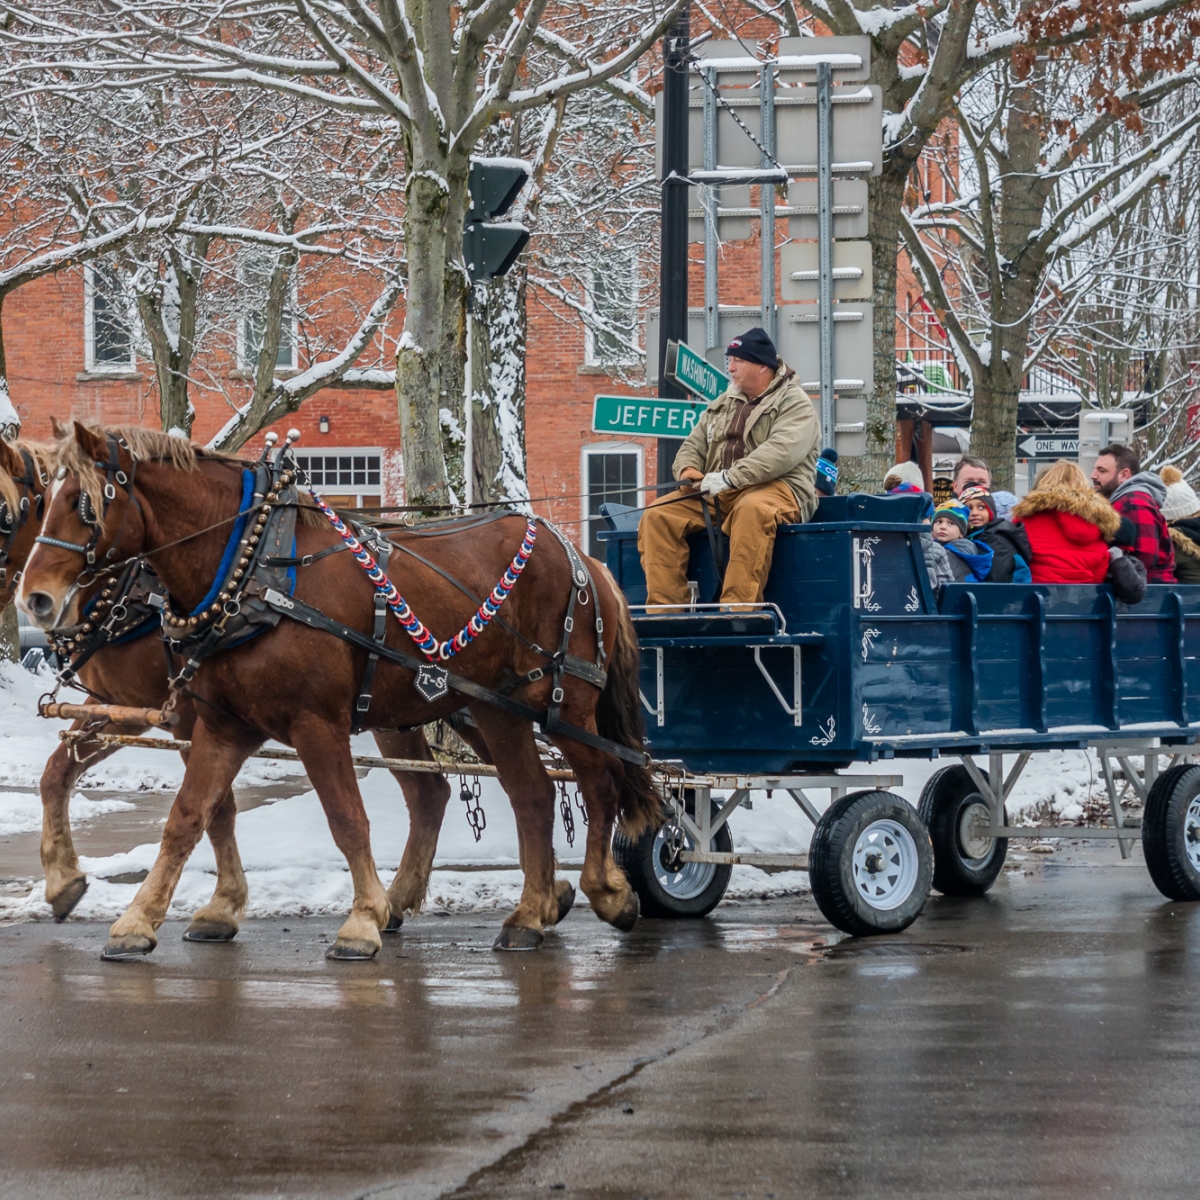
x: 1007, y: 541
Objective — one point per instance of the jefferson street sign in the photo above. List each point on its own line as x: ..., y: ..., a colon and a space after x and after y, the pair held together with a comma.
x: 1046, y: 445
x: 694, y: 372
x: 645, y: 416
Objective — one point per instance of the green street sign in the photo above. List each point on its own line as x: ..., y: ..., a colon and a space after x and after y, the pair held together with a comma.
x: 645, y: 416
x: 695, y: 372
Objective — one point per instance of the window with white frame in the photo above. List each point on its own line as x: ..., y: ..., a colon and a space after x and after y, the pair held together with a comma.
x: 612, y: 474
x: 612, y: 324
x: 254, y: 279
x: 109, y: 317
x: 350, y: 478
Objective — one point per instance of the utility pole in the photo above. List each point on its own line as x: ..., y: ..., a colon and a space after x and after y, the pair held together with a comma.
x: 673, y: 278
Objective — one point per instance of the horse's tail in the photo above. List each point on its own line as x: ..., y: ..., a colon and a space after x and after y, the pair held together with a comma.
x: 619, y: 718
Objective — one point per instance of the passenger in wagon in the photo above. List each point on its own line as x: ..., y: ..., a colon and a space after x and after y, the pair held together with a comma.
x: 969, y: 561
x: 1069, y: 527
x: 1011, y: 552
x: 1137, y: 496
x: 752, y: 459
x: 970, y: 472
x: 1181, y: 511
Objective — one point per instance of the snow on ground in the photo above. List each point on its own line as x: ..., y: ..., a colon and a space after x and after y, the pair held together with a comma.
x: 293, y: 866
x: 27, y: 741
x: 21, y: 812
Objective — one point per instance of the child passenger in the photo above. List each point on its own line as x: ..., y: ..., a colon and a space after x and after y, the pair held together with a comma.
x: 970, y: 561
x: 1011, y: 553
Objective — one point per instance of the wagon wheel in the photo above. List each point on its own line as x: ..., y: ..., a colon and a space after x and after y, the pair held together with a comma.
x: 870, y: 864
x: 964, y: 864
x: 1171, y: 833
x: 665, y: 886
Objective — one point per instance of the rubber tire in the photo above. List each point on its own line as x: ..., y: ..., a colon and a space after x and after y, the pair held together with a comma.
x: 831, y: 863
x: 1164, y: 833
x: 943, y: 798
x: 636, y: 859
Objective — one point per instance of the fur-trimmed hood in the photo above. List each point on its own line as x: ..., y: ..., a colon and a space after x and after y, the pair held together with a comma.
x: 1183, y: 538
x: 1085, y: 505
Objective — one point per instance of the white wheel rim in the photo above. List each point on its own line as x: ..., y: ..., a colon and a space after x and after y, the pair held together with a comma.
x: 885, y: 865
x: 1191, y: 834
x: 690, y: 880
x: 975, y: 847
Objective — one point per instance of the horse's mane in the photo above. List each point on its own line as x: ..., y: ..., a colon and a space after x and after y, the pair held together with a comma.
x: 150, y: 445
x: 42, y: 456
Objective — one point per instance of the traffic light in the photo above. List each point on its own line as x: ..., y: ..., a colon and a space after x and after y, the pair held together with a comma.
x: 491, y: 246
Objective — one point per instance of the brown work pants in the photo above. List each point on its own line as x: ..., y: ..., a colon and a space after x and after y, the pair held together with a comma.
x: 749, y: 518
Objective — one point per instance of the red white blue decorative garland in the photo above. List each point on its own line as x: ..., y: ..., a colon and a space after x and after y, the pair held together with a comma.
x: 433, y: 650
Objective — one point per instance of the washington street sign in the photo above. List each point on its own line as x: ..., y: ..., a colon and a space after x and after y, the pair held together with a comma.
x: 694, y: 372
x: 640, y: 416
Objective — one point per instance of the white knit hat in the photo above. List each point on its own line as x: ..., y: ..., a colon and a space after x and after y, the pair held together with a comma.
x: 907, y: 472
x: 1181, y: 500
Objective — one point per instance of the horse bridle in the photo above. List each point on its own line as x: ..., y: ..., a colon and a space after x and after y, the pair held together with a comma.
x: 12, y: 523
x: 114, y: 475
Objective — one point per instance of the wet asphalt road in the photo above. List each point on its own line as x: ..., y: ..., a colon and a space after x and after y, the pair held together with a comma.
x: 1039, y: 1042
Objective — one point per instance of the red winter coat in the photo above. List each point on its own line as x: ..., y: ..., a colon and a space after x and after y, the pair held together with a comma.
x: 1069, y: 533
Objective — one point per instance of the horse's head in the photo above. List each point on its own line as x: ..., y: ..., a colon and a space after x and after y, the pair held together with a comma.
x: 22, y: 495
x: 92, y: 521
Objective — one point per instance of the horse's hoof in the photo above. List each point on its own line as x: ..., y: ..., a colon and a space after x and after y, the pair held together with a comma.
x: 626, y: 919
x: 517, y: 937
x: 127, y: 948
x: 352, y: 950
x: 566, y: 901
x: 64, y: 903
x: 393, y: 925
x: 207, y: 929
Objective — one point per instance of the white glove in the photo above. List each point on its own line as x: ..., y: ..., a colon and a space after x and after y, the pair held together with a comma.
x: 714, y: 483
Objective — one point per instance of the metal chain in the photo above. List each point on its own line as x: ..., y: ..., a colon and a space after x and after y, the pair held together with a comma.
x: 581, y: 806
x: 708, y: 83
x: 470, y: 794
x: 568, y: 817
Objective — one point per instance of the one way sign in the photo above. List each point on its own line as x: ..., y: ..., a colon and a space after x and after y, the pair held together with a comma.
x: 1045, y: 445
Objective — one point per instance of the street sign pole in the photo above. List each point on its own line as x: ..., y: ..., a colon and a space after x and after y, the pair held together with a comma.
x: 710, y: 195
x: 673, y: 262
x: 825, y: 244
x: 767, y: 196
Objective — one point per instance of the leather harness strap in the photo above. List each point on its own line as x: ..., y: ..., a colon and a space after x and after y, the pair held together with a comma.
x: 290, y: 606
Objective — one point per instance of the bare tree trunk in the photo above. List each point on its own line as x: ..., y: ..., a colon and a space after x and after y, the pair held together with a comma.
x: 10, y: 638
x: 498, y: 389
x: 865, y: 472
x: 421, y: 355
x: 7, y: 428
x: 1016, y: 276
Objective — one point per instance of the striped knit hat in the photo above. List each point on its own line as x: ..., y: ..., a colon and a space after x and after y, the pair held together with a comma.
x: 953, y: 512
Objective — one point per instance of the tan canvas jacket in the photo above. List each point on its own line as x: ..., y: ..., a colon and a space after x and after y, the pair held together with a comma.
x: 783, y: 436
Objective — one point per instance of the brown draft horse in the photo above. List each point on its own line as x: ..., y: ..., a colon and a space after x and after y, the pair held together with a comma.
x: 298, y: 685
x: 136, y: 674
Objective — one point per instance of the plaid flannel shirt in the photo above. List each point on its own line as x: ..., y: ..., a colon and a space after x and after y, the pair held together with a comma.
x: 1152, y: 539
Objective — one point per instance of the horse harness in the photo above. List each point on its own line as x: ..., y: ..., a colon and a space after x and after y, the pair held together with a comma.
x: 11, y: 523
x: 113, y: 475
x: 252, y: 593
x: 127, y: 608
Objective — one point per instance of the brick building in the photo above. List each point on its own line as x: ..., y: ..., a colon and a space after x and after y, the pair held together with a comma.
x: 66, y: 360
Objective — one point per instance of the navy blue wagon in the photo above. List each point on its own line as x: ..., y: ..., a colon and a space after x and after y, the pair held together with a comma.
x: 852, y: 658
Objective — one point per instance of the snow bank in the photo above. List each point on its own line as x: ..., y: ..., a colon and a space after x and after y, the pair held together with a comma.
x: 21, y: 812
x: 293, y: 866
x: 27, y: 741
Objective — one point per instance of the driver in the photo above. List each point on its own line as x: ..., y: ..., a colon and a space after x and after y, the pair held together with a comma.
x: 751, y: 457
